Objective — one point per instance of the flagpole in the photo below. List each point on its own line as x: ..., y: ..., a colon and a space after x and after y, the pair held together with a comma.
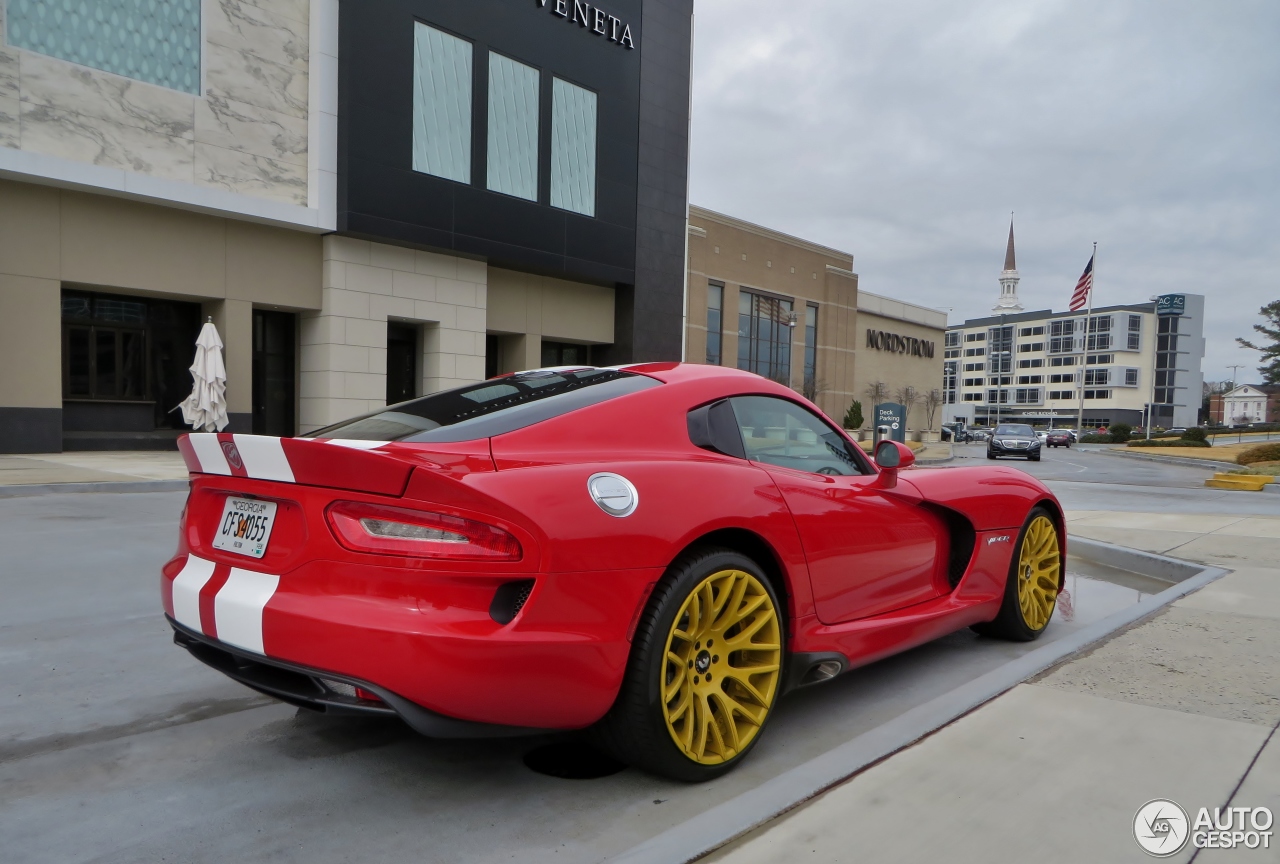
x: 1088, y: 316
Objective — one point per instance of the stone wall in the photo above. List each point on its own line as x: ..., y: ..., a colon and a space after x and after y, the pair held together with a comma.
x: 365, y: 284
x: 247, y: 133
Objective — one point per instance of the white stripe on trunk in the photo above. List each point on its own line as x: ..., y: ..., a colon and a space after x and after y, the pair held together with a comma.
x: 264, y: 458
x: 209, y: 453
x: 195, y: 574
x: 356, y: 445
x: 237, y: 610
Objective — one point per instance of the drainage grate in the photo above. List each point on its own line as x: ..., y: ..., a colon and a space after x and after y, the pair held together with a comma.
x: 571, y: 760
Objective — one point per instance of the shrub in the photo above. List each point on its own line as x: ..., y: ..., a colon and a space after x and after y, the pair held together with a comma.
x: 853, y: 417
x: 1195, y: 433
x: 1269, y: 452
x: 1120, y: 432
x: 1166, y: 442
x: 1094, y: 438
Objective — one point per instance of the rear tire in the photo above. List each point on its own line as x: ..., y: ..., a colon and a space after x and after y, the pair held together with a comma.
x: 1031, y: 589
x: 668, y: 718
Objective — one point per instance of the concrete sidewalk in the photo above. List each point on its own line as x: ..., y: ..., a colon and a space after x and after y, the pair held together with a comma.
x: 41, y: 469
x: 1183, y: 706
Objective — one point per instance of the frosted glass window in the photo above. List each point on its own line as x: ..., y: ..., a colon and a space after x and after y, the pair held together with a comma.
x: 513, y: 128
x: 157, y: 41
x: 573, y: 148
x: 441, y: 104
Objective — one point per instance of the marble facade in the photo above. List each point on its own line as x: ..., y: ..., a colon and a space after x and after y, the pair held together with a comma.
x: 247, y: 133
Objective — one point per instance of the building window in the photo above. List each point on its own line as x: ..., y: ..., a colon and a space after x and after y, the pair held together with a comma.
x: 1036, y: 363
x: 975, y: 337
x: 565, y: 354
x: 1131, y: 377
x: 764, y: 337
x: 1135, y: 332
x: 573, y: 148
x: 1027, y: 347
x: 973, y: 382
x: 1031, y: 331
x: 513, y: 128
x: 715, y: 318
x: 441, y: 104
x: 975, y: 367
x: 997, y: 397
x: 953, y: 339
x: 1028, y: 396
x: 951, y: 352
x: 972, y: 397
x: 156, y: 42
x: 1094, y: 377
x: 1000, y: 341
x: 811, y: 347
x: 1062, y: 338
x: 1061, y: 394
x: 1099, y: 338
x: 1064, y: 361
x: 1100, y: 359
x: 950, y: 377
x: 1030, y: 379
x: 1097, y: 394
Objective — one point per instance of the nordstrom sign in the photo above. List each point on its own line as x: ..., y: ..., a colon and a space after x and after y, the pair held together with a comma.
x: 592, y: 18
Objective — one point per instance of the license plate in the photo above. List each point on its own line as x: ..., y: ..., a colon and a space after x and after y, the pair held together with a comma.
x: 245, y: 527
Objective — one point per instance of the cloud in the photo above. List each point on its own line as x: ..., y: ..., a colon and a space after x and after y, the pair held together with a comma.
x: 905, y: 133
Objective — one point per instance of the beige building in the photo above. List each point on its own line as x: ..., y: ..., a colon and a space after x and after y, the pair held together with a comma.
x: 139, y: 200
x: 791, y: 310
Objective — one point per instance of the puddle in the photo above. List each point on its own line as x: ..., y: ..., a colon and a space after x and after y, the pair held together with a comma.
x: 1094, y: 591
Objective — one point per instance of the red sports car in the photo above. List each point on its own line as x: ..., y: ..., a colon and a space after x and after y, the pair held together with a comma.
x: 657, y: 552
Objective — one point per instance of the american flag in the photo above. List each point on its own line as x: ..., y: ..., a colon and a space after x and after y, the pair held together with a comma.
x: 1080, y: 296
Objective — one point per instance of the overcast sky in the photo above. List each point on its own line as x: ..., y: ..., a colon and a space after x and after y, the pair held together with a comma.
x: 906, y: 132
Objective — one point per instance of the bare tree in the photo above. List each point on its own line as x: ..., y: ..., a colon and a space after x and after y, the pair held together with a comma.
x: 932, y: 401
x: 811, y: 387
x: 877, y: 392
x: 907, y: 396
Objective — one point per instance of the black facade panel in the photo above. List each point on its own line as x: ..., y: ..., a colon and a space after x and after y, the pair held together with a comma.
x: 30, y: 430
x: 642, y: 143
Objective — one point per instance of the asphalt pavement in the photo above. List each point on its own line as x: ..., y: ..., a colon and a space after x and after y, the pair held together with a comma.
x: 117, y: 746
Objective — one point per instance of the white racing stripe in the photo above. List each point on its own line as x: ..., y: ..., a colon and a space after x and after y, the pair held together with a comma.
x: 209, y: 453
x: 356, y: 445
x: 264, y: 458
x: 238, y: 608
x: 195, y: 574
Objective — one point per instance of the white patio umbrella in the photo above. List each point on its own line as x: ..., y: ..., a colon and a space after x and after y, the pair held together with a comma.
x: 205, y: 410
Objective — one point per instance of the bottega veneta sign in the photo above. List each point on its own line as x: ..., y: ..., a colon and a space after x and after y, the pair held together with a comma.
x: 883, y: 341
x: 592, y: 18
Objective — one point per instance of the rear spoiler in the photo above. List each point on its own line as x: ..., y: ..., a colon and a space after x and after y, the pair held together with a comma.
x: 333, y: 463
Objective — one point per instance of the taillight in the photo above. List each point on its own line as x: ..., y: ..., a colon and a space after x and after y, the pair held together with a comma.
x: 419, y: 534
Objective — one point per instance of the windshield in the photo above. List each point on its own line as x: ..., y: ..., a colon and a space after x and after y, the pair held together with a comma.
x: 1015, y: 429
x: 491, y: 407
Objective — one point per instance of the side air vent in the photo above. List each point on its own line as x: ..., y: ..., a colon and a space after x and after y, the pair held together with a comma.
x: 509, y: 599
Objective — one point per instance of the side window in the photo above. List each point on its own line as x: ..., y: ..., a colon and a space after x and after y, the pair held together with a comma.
x: 778, y: 432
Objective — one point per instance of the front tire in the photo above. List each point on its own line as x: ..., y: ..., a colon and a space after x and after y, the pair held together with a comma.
x: 990, y: 455
x: 705, y: 670
x: 1031, y: 589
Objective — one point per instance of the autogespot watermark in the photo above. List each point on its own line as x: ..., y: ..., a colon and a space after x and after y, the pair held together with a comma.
x: 1162, y: 828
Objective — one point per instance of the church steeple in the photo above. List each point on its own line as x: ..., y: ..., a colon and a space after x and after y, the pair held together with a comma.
x: 1009, y: 279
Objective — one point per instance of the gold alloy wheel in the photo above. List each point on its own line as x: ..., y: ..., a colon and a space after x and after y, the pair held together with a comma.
x: 1039, y: 569
x: 722, y: 667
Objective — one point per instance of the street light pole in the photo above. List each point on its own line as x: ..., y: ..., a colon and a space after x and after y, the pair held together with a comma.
x: 1234, y: 373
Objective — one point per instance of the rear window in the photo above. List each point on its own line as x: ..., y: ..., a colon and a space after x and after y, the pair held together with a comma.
x: 491, y: 407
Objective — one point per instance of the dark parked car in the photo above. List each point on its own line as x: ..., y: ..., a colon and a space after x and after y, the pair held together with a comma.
x: 1014, y: 439
x: 956, y: 432
x: 1058, y: 438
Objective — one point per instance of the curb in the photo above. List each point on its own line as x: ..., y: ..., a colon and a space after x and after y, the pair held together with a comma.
x: 1174, y: 460
x: 739, y: 815
x: 28, y: 491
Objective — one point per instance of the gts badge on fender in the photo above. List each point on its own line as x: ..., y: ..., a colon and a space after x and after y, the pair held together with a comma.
x: 1003, y: 538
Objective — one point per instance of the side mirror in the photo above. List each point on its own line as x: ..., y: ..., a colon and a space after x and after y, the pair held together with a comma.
x: 893, y: 457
